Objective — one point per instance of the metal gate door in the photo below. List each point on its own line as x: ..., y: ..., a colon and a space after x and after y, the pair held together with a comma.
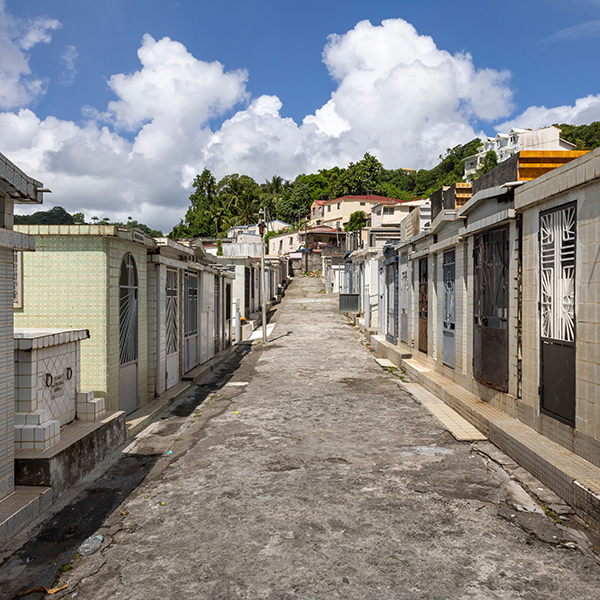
x: 128, y: 335
x: 252, y: 291
x: 449, y: 323
x: 247, y: 273
x: 490, y: 332
x: 217, y: 340
x: 172, y: 328
x: 557, y: 256
x: 190, y: 322
x: 391, y: 285
x: 423, y: 305
x: 361, y: 287
x: 207, y: 333
x: 382, y: 309
x: 227, y: 332
x: 404, y: 297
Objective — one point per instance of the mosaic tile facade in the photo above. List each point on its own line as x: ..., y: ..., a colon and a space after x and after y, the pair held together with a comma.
x: 7, y: 397
x: 72, y: 281
x: 17, y: 187
x: 576, y: 183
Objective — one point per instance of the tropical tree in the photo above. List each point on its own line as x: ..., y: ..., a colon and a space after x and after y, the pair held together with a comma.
x: 246, y: 208
x: 490, y: 160
x: 198, y: 221
x: 54, y: 216
x: 271, y: 193
x: 295, y: 203
x: 357, y: 221
x: 358, y: 179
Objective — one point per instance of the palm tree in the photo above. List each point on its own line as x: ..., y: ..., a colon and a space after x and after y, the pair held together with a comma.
x: 246, y: 209
x: 272, y: 193
x: 275, y: 186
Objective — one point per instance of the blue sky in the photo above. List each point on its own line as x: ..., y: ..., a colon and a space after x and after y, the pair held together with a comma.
x: 115, y: 105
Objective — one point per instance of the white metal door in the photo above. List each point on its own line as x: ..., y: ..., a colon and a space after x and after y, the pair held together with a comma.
x: 208, y: 317
x: 190, y: 322
x: 172, y: 328
x: 128, y: 335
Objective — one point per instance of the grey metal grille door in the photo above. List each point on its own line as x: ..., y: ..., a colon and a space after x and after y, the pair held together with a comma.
x: 247, y: 273
x: 404, y: 297
x: 128, y: 335
x: 423, y: 305
x: 449, y: 322
x: 217, y: 314
x: 172, y: 327
x: 391, y: 284
x: 227, y: 333
x: 381, y: 309
x: 557, y: 305
x: 190, y: 322
x: 490, y: 310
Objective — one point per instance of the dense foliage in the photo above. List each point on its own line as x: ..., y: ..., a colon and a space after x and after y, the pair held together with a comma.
x: 356, y: 221
x: 236, y: 199
x: 585, y: 137
x: 59, y: 216
x: 55, y: 216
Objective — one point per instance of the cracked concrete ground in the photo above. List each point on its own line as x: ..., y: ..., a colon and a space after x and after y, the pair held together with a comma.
x: 313, y: 474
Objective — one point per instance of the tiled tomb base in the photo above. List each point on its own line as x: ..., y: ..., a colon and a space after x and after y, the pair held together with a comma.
x: 90, y: 408
x: 47, y: 380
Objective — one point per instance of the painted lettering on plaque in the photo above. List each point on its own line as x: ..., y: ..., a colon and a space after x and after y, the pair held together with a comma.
x: 58, y: 386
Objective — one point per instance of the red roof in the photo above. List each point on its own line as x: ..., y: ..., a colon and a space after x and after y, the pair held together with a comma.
x: 319, y: 229
x: 368, y: 198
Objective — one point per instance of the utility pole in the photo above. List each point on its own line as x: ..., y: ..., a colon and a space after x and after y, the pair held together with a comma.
x: 261, y: 229
x: 306, y: 246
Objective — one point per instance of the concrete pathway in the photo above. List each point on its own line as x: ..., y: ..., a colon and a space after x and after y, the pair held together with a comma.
x: 313, y: 474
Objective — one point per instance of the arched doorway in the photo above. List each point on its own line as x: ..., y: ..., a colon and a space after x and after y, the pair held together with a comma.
x: 128, y: 335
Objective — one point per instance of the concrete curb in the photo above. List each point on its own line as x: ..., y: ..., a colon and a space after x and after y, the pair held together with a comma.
x: 573, y: 478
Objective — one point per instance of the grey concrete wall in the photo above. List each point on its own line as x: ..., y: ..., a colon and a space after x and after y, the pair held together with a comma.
x: 298, y: 265
x: 64, y: 468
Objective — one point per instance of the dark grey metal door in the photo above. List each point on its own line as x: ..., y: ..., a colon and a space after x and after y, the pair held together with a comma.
x: 247, y: 273
x: 227, y: 332
x: 128, y: 335
x: 253, y: 295
x: 449, y: 322
x: 557, y: 306
x: 490, y: 310
x: 423, y: 305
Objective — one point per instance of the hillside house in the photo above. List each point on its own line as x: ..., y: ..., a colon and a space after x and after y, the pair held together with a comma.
x: 336, y: 213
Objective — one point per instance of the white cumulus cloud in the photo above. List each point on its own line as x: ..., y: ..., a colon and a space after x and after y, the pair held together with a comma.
x: 395, y: 94
x: 18, y: 86
x: 585, y: 110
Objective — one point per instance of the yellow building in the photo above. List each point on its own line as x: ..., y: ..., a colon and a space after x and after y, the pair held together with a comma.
x: 336, y: 213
